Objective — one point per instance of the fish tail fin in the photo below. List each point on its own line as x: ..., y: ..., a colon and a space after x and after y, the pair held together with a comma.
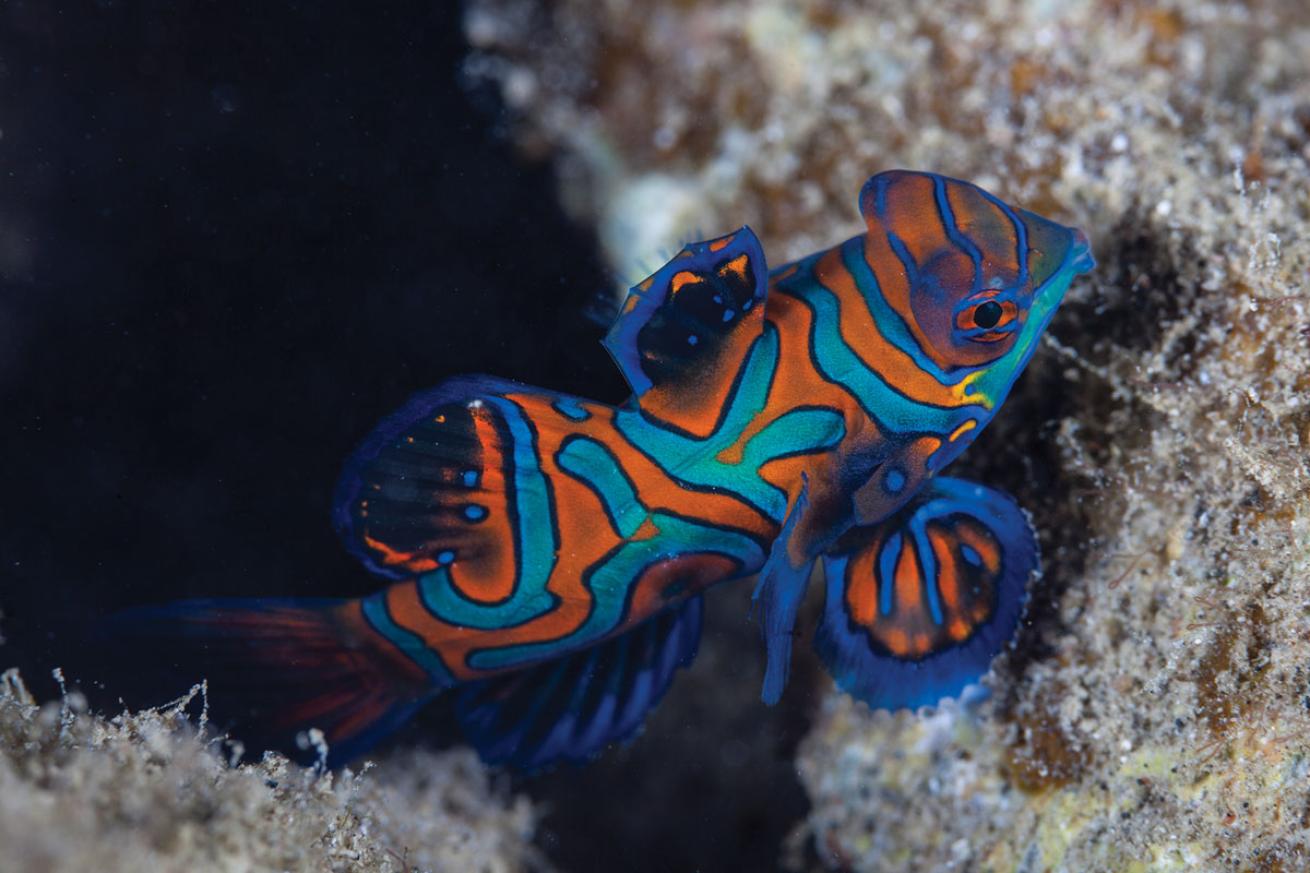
x: 277, y: 668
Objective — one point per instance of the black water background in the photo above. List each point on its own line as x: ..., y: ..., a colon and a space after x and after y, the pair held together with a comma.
x: 231, y: 237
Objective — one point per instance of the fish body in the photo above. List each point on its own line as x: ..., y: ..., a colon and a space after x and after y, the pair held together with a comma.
x: 546, y: 554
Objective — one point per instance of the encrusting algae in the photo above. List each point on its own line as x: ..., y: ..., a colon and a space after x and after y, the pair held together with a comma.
x: 1154, y: 713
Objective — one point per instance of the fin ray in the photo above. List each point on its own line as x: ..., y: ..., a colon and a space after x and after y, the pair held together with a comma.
x: 571, y: 708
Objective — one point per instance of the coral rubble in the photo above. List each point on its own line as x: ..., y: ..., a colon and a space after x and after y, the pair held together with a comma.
x: 1154, y: 713
x: 145, y: 791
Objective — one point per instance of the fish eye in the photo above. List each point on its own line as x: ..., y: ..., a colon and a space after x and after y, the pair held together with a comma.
x: 987, y: 321
x: 987, y: 314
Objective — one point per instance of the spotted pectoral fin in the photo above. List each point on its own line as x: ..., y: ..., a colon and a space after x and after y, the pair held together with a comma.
x: 571, y: 708
x: 683, y: 332
x: 919, y: 605
x: 448, y: 475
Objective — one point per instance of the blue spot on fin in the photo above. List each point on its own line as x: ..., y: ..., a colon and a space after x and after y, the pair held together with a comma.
x: 571, y: 708
x: 415, y: 495
x: 919, y: 605
x: 674, y: 326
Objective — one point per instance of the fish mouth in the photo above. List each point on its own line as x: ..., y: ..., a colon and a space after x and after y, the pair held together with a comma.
x: 1077, y: 260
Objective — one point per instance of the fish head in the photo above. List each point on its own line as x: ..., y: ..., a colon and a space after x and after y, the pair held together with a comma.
x: 974, y: 280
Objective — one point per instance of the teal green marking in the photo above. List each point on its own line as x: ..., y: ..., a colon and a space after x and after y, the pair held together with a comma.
x: 411, y: 644
x: 890, y: 323
x: 534, y: 533
x: 698, y: 464
x: 610, y: 582
x: 838, y: 362
x: 795, y: 433
x: 596, y: 468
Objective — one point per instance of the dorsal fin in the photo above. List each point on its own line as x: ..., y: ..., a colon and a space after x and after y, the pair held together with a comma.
x: 683, y: 332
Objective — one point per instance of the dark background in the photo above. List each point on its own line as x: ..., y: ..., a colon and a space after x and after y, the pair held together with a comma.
x: 231, y: 238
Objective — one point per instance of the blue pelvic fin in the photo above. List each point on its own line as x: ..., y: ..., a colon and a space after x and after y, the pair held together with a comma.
x: 570, y: 709
x: 683, y: 332
x: 275, y: 668
x: 779, y: 592
x: 919, y: 605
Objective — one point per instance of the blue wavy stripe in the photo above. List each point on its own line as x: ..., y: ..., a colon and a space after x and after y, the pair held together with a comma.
x: 890, y: 323
x: 697, y: 463
x: 535, y: 544
x: 927, y: 559
x: 962, y: 241
x: 571, y: 409
x: 838, y: 362
x: 891, y: 550
x: 1020, y: 235
x: 916, y: 525
x: 611, y: 581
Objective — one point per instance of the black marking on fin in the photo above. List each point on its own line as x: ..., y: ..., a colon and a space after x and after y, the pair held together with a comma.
x: 674, y: 324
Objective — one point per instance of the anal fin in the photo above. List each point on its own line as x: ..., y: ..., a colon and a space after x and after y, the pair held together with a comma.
x: 571, y: 708
x: 919, y: 605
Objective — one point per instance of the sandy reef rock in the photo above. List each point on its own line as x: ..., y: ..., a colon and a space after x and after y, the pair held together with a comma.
x: 1155, y: 712
x: 144, y: 791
